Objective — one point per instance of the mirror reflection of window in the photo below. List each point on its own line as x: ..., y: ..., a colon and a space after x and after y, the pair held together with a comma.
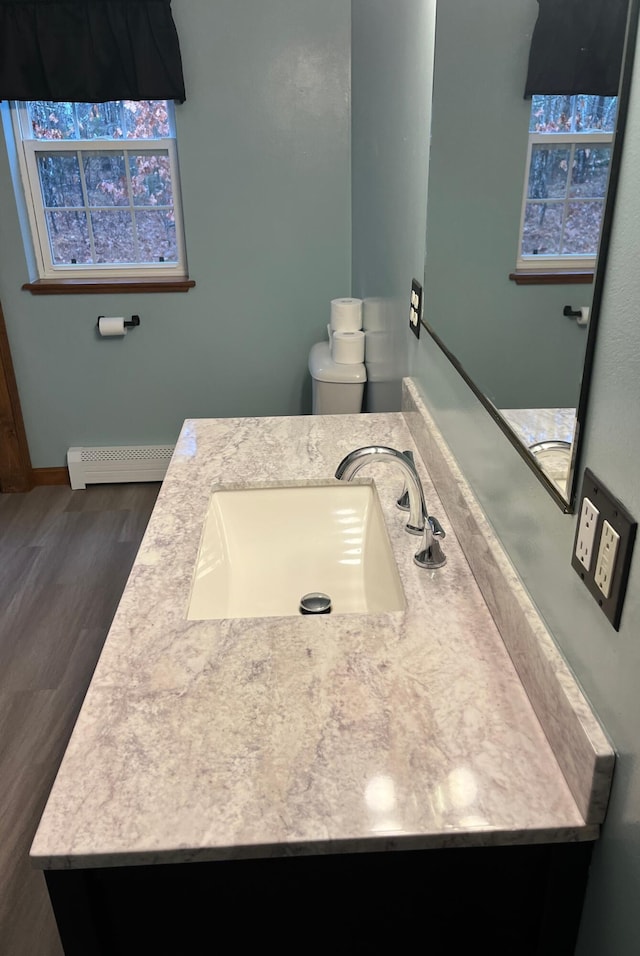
x: 568, y: 161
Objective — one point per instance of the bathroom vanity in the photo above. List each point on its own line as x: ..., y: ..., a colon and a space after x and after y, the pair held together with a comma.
x: 343, y: 780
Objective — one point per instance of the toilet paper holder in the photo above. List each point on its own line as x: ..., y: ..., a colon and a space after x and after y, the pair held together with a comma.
x: 580, y: 315
x: 128, y: 324
x: 571, y: 313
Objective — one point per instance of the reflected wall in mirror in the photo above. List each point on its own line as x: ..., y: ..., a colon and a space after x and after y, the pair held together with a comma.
x: 518, y: 322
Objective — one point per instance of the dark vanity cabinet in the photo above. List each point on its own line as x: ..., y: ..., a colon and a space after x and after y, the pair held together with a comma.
x: 507, y: 900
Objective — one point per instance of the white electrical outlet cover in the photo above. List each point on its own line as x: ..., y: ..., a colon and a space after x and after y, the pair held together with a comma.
x: 585, y: 538
x: 606, y: 560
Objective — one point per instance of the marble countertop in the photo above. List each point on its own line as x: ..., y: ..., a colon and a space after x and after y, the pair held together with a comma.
x: 206, y: 740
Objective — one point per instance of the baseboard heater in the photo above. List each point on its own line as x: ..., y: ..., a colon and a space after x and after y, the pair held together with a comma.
x: 111, y: 463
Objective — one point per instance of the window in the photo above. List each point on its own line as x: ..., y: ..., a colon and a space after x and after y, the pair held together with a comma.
x: 569, y: 155
x: 102, y: 188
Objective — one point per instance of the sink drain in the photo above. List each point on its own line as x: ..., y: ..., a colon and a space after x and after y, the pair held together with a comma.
x: 315, y: 603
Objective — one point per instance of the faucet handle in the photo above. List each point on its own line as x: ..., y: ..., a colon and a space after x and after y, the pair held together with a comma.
x: 403, y: 501
x: 430, y: 555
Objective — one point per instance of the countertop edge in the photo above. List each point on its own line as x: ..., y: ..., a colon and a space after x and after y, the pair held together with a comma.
x: 185, y: 855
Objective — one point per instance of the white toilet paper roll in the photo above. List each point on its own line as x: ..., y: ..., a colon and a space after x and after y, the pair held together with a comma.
x: 347, y: 348
x: 584, y: 315
x: 111, y: 325
x: 346, y: 315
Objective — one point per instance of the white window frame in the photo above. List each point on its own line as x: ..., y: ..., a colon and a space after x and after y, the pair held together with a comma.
x: 554, y: 262
x: 27, y: 149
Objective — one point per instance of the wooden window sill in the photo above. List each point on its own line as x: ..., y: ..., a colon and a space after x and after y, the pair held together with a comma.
x: 558, y: 277
x: 106, y: 286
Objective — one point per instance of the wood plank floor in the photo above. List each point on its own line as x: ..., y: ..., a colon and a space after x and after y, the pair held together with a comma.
x: 64, y: 560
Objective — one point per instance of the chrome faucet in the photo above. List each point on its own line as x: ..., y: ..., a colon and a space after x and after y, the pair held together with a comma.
x: 429, y: 555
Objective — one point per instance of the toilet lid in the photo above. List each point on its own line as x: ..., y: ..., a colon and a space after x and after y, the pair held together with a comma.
x: 324, y: 369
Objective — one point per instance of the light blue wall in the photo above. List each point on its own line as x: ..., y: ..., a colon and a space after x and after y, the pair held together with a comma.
x: 392, y: 67
x: 539, y: 540
x: 513, y: 340
x: 264, y: 141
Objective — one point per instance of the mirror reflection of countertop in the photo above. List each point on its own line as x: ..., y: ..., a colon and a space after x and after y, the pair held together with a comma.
x: 244, y: 738
x: 534, y: 425
x: 548, y: 433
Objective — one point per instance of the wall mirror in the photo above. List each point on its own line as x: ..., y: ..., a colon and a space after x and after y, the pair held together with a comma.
x: 517, y: 225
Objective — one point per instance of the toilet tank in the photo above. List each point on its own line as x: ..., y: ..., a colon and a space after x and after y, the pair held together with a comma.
x: 337, y: 389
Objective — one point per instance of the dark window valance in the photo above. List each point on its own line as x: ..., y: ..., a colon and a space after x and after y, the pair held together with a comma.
x: 89, y: 51
x: 577, y: 47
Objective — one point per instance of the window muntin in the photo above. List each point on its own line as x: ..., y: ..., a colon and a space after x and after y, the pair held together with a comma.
x: 568, y: 162
x: 103, y: 180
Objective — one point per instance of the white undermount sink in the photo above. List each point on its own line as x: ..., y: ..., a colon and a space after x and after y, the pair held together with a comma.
x: 266, y: 546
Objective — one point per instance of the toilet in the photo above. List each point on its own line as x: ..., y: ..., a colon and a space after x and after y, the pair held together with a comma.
x: 337, y: 389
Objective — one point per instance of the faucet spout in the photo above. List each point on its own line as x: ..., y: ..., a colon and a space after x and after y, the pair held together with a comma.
x: 357, y: 459
x: 429, y: 555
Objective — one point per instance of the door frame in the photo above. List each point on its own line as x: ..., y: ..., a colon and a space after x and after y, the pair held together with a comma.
x: 16, y: 472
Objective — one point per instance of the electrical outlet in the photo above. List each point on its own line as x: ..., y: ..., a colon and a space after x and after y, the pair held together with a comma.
x: 586, y: 535
x: 415, y: 309
x: 603, y: 545
x: 606, y: 560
